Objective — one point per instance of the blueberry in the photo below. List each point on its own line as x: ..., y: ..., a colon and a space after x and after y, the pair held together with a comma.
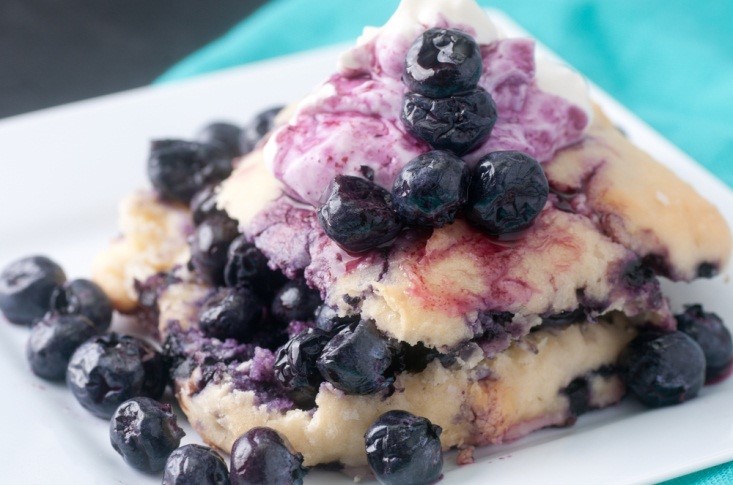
x: 224, y: 134
x: 83, y: 297
x: 442, y: 62
x: 106, y: 371
x: 508, y: 191
x: 145, y: 432
x: 236, y: 313
x: 404, y: 449
x: 431, y: 189
x: 662, y: 369
x: 26, y: 286
x: 247, y: 267
x: 261, y: 456
x: 203, y: 205
x: 357, y: 214
x: 295, y: 301
x: 458, y: 123
x: 708, y: 330
x: 412, y: 358
x: 256, y: 129
x: 295, y: 367
x: 209, y: 245
x: 178, y: 169
x: 53, y: 340
x: 328, y: 320
x: 195, y: 465
x: 356, y: 360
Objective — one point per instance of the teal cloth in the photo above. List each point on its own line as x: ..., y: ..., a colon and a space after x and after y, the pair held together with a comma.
x: 671, y: 63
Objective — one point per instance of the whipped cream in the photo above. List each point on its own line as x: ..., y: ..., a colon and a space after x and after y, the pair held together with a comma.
x: 351, y: 124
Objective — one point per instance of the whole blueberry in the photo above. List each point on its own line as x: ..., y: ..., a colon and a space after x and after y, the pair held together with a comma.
x: 236, y: 313
x: 52, y: 342
x: 145, y: 432
x: 431, y: 189
x: 356, y: 360
x: 195, y: 465
x: 224, y: 134
x: 328, y: 320
x: 404, y: 449
x: 108, y: 370
x: 26, y: 286
x: 178, y: 169
x: 209, y: 246
x: 257, y: 128
x: 508, y: 191
x: 247, y: 267
x: 662, y: 369
x: 295, y: 366
x: 203, y: 205
x: 710, y: 333
x: 261, y: 456
x: 458, y: 123
x: 357, y: 214
x: 442, y: 62
x: 295, y: 301
x: 83, y: 297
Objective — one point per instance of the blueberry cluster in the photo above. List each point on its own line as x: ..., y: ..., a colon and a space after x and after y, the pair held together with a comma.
x: 445, y: 107
x: 180, y: 169
x: 667, y: 368
x: 347, y: 352
x: 502, y: 196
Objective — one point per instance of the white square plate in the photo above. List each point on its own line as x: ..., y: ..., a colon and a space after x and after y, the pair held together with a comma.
x: 62, y: 172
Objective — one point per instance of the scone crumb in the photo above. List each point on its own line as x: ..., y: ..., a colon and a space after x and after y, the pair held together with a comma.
x: 465, y: 456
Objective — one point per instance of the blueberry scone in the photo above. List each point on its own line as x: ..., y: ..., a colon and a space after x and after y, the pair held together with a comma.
x: 448, y: 226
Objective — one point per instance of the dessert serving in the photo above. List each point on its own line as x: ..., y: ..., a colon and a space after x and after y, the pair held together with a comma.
x: 445, y: 245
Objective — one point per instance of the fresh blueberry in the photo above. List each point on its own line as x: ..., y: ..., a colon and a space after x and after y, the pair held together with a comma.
x: 431, y: 189
x: 178, y: 169
x: 236, y: 313
x: 357, y: 214
x: 662, y: 369
x: 83, y: 297
x: 356, y: 360
x: 295, y: 367
x: 295, y: 301
x: 262, y: 456
x: 108, y: 370
x: 26, y: 286
x: 442, y: 62
x: 458, y: 123
x: 145, y: 432
x: 53, y: 340
x: 412, y: 358
x: 328, y: 320
x: 195, y: 465
x: 203, y: 205
x: 404, y: 449
x: 256, y: 129
x: 508, y: 191
x: 247, y: 267
x: 209, y: 246
x: 710, y: 333
x: 224, y: 134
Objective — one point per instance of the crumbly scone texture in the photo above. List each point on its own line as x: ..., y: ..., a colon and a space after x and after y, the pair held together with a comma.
x: 641, y: 204
x: 476, y: 400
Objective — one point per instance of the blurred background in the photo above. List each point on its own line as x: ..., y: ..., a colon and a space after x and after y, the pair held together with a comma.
x: 54, y: 52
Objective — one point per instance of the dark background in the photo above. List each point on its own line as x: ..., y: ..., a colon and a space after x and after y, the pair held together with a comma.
x: 57, y: 51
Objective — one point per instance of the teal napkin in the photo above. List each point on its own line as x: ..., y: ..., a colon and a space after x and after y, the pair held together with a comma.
x: 671, y: 63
